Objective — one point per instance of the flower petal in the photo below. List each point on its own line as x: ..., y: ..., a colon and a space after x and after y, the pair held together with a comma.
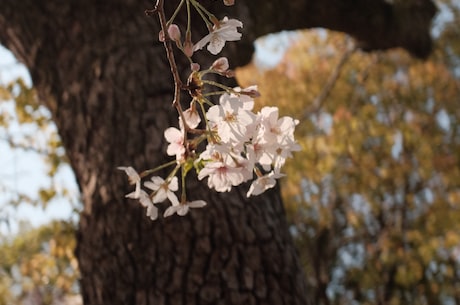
x: 170, y: 211
x: 197, y: 204
x: 182, y: 210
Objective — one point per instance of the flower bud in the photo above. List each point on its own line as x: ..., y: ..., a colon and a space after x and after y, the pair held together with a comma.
x: 161, y: 36
x: 220, y: 65
x: 229, y: 73
x: 188, y: 49
x: 188, y: 46
x: 195, y: 67
x: 229, y: 2
x: 251, y: 91
x: 174, y: 32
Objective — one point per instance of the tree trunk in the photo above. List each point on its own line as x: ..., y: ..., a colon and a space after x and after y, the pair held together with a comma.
x: 99, y: 68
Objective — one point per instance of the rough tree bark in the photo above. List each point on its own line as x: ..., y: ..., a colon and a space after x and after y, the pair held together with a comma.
x: 98, y: 68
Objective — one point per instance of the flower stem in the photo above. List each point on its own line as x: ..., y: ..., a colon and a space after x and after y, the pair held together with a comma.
x: 170, y: 55
x: 216, y: 84
x: 151, y: 171
x: 201, y: 9
x: 183, y: 197
x: 171, y: 20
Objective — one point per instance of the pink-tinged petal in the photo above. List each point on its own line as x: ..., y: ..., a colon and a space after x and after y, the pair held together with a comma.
x: 192, y: 117
x: 132, y: 195
x: 151, y: 186
x: 263, y: 183
x: 175, y: 150
x: 214, y: 113
x: 197, y: 204
x: 225, y: 31
x: 173, y: 184
x: 173, y: 198
x: 229, y: 36
x: 270, y: 114
x: 133, y: 176
x: 144, y: 199
x: 152, y: 212
x: 160, y: 195
x: 182, y: 210
x: 220, y: 64
x: 154, y: 184
x: 170, y: 211
x: 204, y: 172
x: 216, y: 44
x: 173, y: 135
x: 235, y: 23
x: 157, y: 180
x: 200, y: 44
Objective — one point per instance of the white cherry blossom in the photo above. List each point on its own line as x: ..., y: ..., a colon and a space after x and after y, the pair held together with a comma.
x: 152, y: 210
x: 163, y: 189
x: 240, y: 142
x: 192, y: 117
x: 263, y: 183
x: 182, y: 208
x: 133, y: 178
x: 233, y: 120
x: 175, y: 137
x: 223, y: 168
x: 260, y: 153
x: 275, y: 138
x: 226, y: 30
x: 221, y: 176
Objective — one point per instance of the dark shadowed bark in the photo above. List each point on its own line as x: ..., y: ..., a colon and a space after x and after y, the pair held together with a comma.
x: 98, y: 67
x: 376, y: 24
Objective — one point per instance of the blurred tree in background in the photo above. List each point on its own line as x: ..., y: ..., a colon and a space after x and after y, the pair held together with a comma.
x: 374, y: 196
x: 38, y: 266
x: 26, y: 125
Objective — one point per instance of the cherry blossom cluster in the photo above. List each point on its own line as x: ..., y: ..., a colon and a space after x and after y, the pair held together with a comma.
x: 237, y: 144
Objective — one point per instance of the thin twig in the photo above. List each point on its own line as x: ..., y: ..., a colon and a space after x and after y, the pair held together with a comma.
x: 178, y: 86
x: 30, y: 148
x: 318, y: 103
x: 170, y: 54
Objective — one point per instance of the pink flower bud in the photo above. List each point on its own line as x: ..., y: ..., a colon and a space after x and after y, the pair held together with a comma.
x: 220, y: 65
x: 251, y: 91
x: 174, y: 32
x: 229, y: 73
x: 188, y: 48
x: 195, y: 67
x: 229, y: 2
x: 161, y: 36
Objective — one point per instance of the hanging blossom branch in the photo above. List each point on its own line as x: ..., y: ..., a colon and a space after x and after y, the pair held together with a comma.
x: 240, y: 145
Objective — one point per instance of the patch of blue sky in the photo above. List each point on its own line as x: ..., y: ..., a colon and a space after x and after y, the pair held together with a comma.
x: 270, y: 49
x: 24, y: 171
